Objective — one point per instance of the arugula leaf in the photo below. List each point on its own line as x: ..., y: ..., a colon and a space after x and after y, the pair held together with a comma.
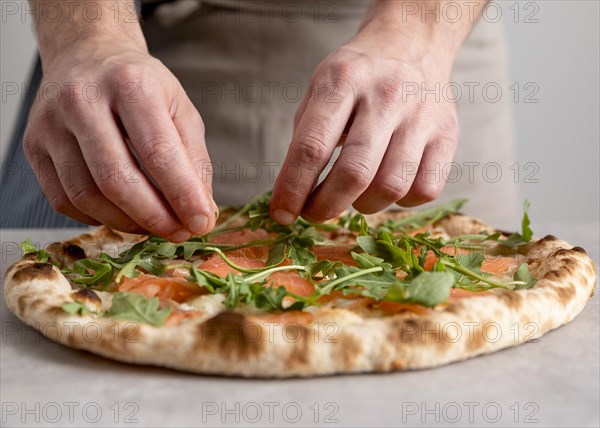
x: 526, y: 232
x: 426, y: 217
x: 277, y: 254
x: 516, y: 239
x: 355, y: 223
x: 75, y: 308
x: 374, y: 285
x: 205, y: 279
x: 427, y: 289
x: 309, y: 236
x: 524, y: 275
x: 102, y: 272
x: 365, y: 261
x: 268, y: 298
x: 136, y: 307
x: 301, y: 256
x: 472, y: 262
x: 252, y: 205
x: 256, y: 294
x: 28, y: 248
x: 324, y: 267
x: 405, y: 259
x: 372, y: 278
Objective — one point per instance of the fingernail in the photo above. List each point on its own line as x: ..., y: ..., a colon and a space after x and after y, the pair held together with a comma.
x: 198, y: 224
x: 180, y: 236
x: 283, y: 216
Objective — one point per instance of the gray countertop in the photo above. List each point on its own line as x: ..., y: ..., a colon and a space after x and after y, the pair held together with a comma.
x: 552, y: 382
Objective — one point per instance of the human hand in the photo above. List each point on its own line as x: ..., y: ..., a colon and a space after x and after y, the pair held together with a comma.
x: 84, y: 150
x: 393, y: 141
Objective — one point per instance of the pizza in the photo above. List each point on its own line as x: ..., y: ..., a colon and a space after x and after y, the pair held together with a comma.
x: 398, y: 290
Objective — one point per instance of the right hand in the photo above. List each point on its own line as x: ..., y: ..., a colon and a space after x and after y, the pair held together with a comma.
x: 77, y: 144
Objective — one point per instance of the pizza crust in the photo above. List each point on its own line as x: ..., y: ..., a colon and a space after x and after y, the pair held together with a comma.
x: 324, y: 341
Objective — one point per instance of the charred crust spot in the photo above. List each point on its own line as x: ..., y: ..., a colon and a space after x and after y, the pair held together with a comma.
x: 36, y: 304
x: 564, y: 293
x: 405, y: 331
x: 561, y: 252
x: 476, y: 341
x: 74, y: 252
x: 36, y: 270
x: 512, y: 299
x: 22, y: 304
x: 398, y: 365
x: 549, y: 238
x: 579, y: 250
x: 66, y: 252
x: 299, y: 334
x: 418, y: 332
x: 233, y: 335
x: 85, y: 295
x: 347, y: 350
x: 128, y: 332
x: 55, y: 311
x: 553, y: 275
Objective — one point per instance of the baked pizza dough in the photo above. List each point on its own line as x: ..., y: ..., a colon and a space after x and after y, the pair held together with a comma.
x: 314, y: 341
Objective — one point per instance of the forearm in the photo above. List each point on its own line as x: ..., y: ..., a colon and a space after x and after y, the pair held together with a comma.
x: 431, y: 27
x: 69, y: 23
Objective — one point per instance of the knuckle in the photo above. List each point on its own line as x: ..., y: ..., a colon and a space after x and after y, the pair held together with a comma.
x: 312, y: 145
x: 108, y: 183
x: 449, y: 132
x: 184, y: 194
x: 356, y: 172
x: 30, y: 143
x: 320, y: 213
x: 60, y: 203
x: 392, y: 188
x: 74, y: 105
x: 154, y: 220
x: 342, y: 72
x: 156, y: 151
x: 336, y: 78
x: 426, y: 192
x: 389, y: 94
x: 81, y: 195
x: 127, y: 73
x: 42, y: 115
x: 129, y: 226
x: 201, y: 127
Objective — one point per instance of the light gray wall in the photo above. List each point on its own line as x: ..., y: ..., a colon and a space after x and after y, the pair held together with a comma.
x: 17, y: 49
x: 558, y: 136
x: 560, y: 133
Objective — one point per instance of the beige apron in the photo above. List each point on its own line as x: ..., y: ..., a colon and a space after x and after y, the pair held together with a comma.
x: 246, y: 65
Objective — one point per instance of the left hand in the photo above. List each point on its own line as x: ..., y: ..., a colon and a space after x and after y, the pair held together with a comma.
x: 394, y: 138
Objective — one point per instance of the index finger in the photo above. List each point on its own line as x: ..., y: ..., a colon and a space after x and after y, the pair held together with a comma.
x: 318, y: 131
x: 164, y: 157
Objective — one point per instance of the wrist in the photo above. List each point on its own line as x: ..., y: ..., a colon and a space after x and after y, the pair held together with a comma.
x: 420, y: 31
x: 417, y: 48
x: 80, y: 34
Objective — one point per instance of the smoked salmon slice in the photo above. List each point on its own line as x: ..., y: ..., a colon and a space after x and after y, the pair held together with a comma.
x: 171, y: 288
